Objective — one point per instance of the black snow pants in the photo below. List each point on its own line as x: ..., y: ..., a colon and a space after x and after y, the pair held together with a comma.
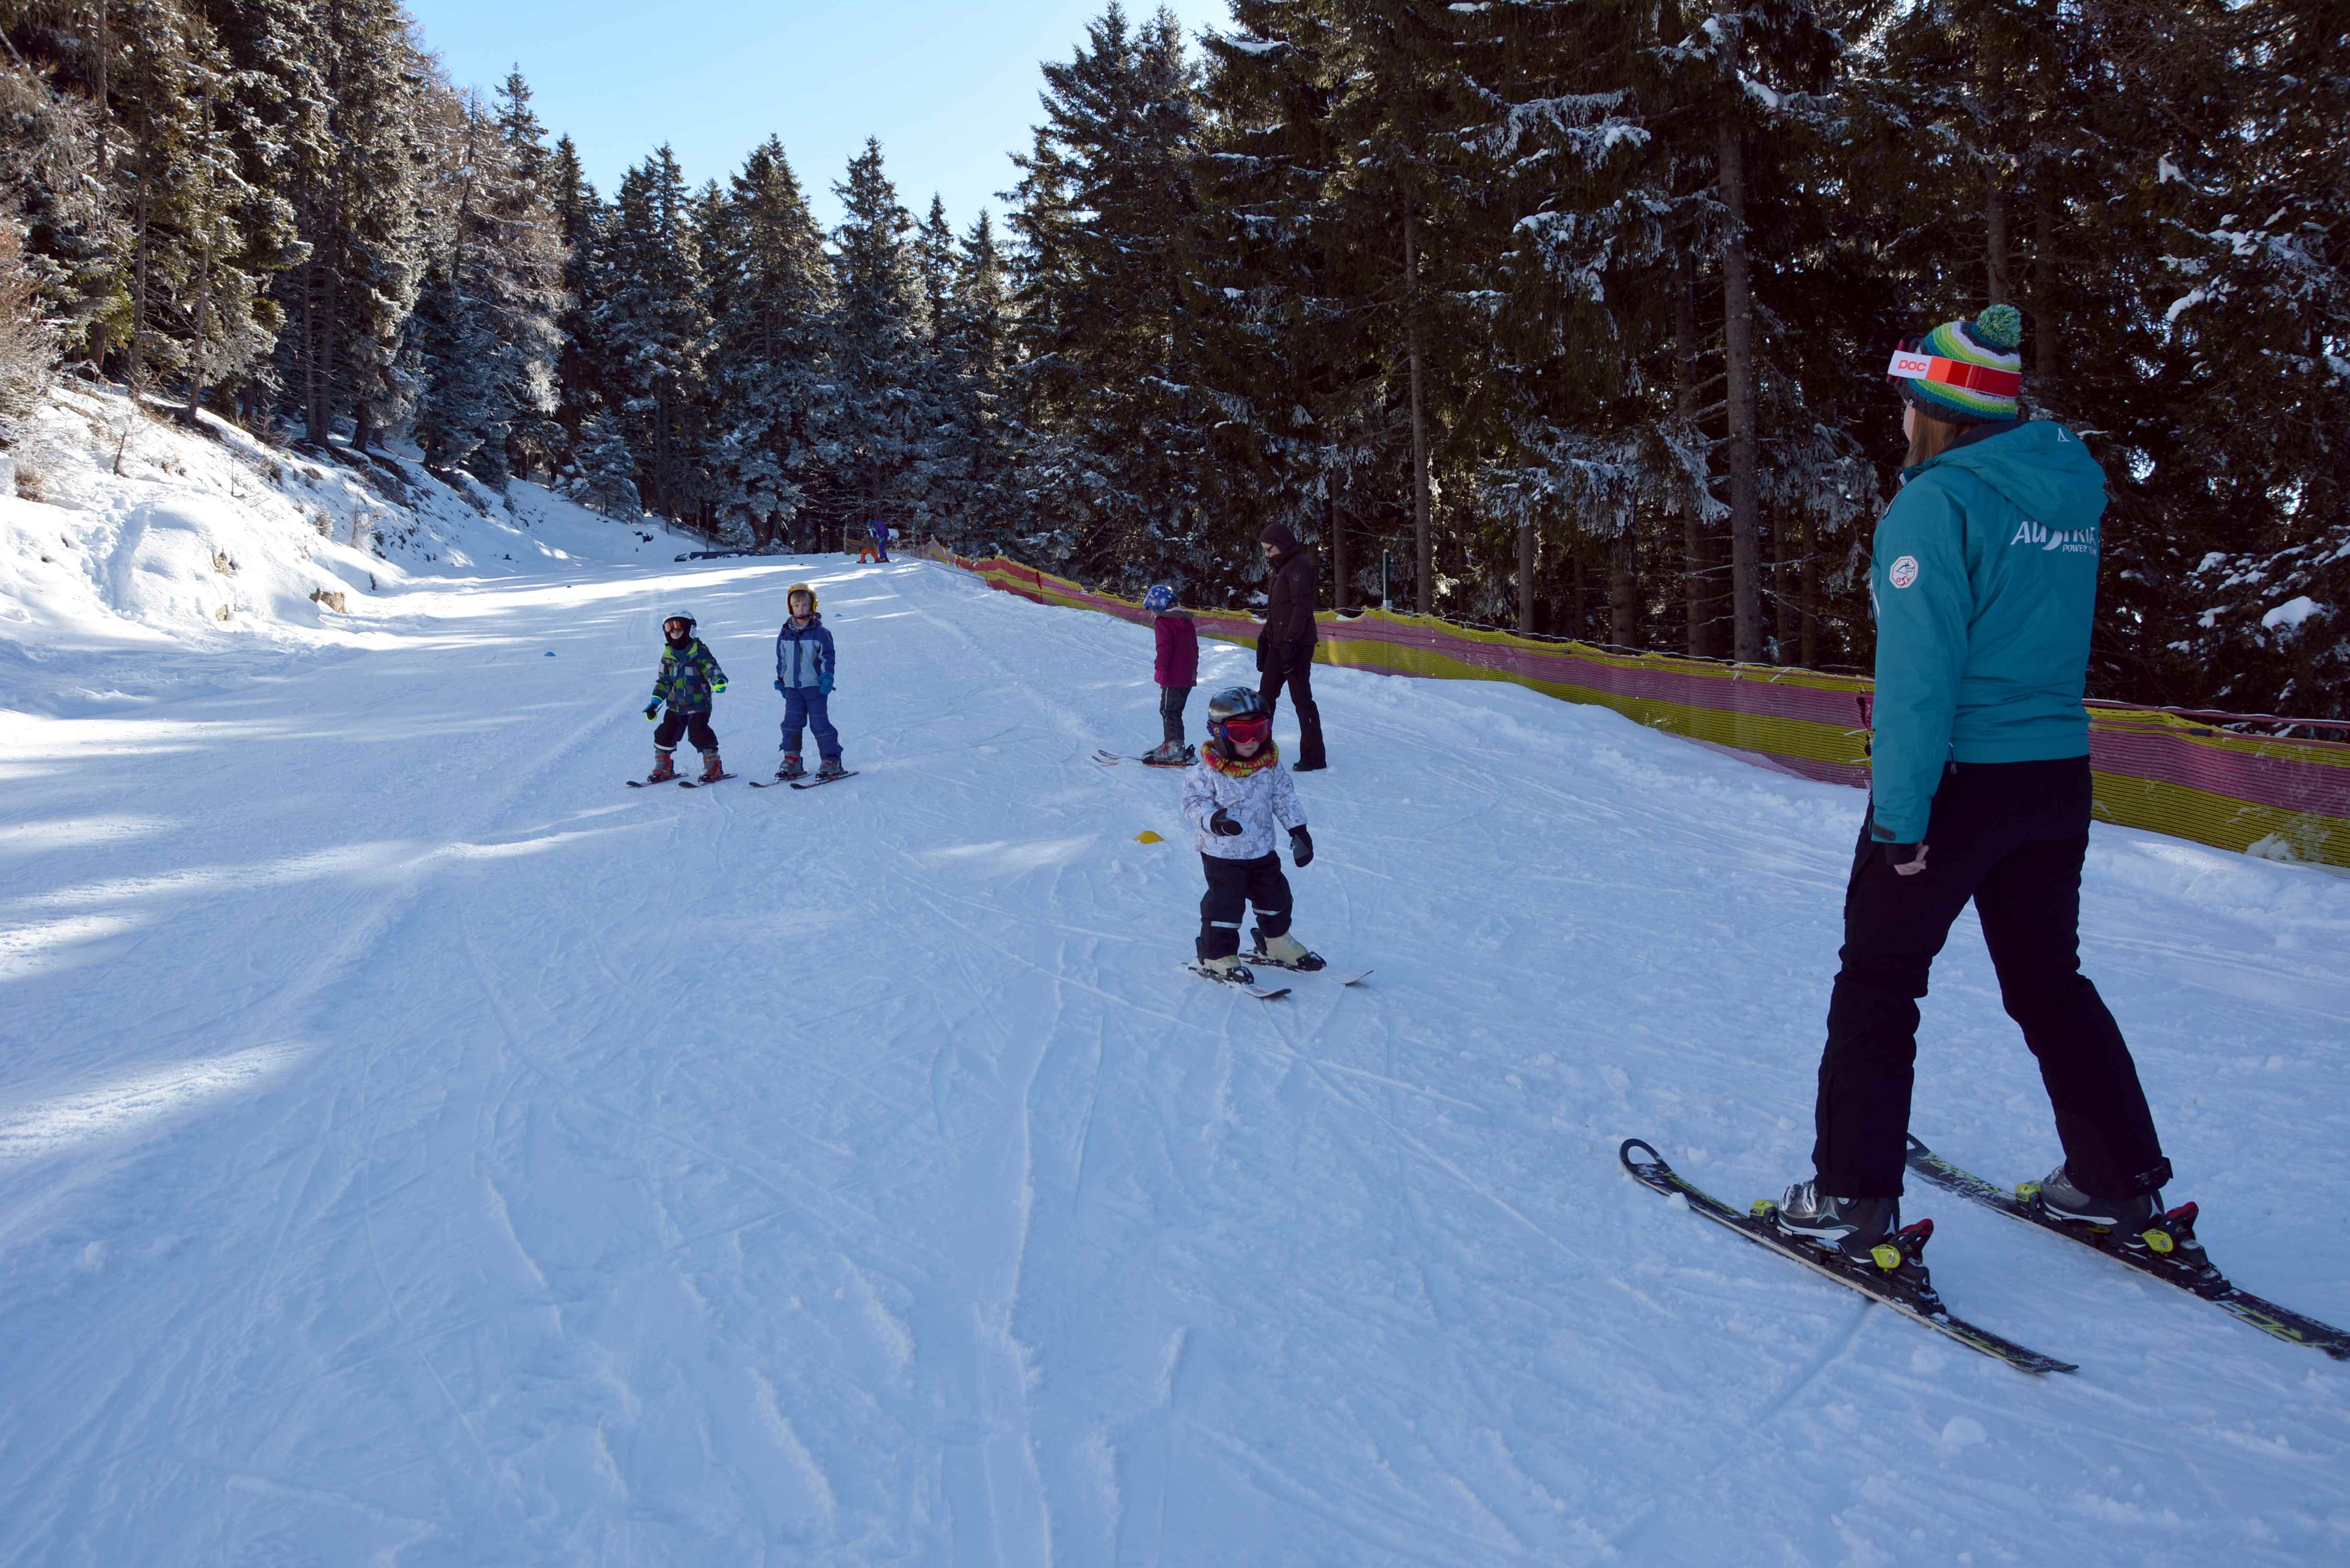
x: 1171, y: 701
x: 694, y: 727
x: 2010, y: 836
x: 1232, y: 885
x: 1292, y: 665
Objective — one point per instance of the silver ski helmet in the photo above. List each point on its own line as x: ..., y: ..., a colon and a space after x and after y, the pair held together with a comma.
x: 669, y: 621
x: 1238, y: 714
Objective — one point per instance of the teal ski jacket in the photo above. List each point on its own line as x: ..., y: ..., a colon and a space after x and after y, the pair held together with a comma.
x: 1984, y: 581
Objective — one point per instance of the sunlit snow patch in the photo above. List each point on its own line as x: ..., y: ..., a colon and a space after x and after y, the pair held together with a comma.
x: 151, y: 1097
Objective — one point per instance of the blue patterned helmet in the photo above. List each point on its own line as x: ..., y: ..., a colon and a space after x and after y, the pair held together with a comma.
x: 1159, y: 599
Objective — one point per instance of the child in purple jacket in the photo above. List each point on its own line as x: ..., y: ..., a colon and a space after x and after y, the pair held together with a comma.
x: 1177, y: 670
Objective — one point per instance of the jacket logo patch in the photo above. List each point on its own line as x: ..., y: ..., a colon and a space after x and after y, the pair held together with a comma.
x: 1904, y: 572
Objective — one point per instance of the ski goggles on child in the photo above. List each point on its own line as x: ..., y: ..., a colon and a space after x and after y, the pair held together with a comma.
x: 1911, y: 362
x: 1247, y: 729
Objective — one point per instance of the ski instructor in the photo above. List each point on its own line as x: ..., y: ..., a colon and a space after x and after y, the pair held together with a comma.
x: 1983, y: 578
x: 1284, y: 644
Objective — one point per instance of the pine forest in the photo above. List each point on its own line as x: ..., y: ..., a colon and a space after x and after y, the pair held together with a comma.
x: 1569, y: 316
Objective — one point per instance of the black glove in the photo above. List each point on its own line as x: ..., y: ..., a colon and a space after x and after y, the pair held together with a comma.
x: 651, y: 709
x: 1224, y: 826
x: 1301, y: 845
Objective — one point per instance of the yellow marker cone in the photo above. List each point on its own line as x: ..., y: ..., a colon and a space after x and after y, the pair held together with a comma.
x: 1147, y: 836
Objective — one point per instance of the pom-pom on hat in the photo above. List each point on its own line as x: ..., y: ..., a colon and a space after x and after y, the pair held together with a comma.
x: 1964, y: 372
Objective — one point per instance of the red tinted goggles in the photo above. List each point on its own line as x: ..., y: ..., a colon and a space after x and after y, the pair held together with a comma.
x: 1256, y: 727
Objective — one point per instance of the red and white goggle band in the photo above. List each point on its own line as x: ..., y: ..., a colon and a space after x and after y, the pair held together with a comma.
x: 1909, y: 365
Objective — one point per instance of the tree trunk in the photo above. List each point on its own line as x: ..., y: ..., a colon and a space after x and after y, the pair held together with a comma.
x: 1738, y: 343
x: 104, y: 48
x: 1996, y: 278
x: 1419, y: 486
x: 1526, y: 576
x: 1623, y: 607
x: 1337, y: 528
x: 1787, y: 535
x: 136, y: 366
x: 1685, y: 403
x: 2044, y: 285
x: 1575, y: 623
x: 1810, y: 655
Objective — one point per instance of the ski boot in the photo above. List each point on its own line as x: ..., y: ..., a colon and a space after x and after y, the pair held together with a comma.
x: 791, y: 769
x: 1229, y: 968
x: 1861, y: 1229
x: 664, y: 767
x: 1170, y: 753
x: 2135, y: 1222
x: 830, y: 768
x: 712, y: 770
x: 1284, y: 952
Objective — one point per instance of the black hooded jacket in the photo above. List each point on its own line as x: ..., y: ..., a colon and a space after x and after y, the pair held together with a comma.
x: 1289, y: 595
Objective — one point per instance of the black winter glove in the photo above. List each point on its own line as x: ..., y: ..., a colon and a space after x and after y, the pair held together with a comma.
x: 1223, y: 827
x: 1301, y: 846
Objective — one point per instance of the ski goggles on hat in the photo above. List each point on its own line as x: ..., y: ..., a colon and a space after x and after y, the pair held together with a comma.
x: 1245, y: 728
x: 1912, y: 362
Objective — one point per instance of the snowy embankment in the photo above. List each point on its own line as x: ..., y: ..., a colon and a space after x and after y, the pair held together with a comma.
x: 416, y: 1147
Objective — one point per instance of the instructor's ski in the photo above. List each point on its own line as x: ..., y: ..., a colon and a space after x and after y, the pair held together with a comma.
x: 1109, y: 759
x: 2167, y: 1249
x: 1262, y: 994
x: 1897, y: 1276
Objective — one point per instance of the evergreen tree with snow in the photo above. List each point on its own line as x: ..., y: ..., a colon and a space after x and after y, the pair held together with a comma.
x: 769, y: 391
x: 655, y: 328
x: 881, y: 408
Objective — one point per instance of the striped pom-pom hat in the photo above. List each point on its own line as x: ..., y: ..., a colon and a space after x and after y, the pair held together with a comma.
x: 1964, y: 372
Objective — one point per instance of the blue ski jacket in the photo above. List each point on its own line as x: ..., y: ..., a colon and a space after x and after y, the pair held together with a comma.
x: 804, y: 654
x: 1984, y: 581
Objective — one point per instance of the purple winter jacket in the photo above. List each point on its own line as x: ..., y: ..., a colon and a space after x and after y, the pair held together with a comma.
x: 1179, y: 651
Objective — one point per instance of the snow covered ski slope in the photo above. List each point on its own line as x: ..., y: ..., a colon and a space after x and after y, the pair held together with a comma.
x: 417, y: 1148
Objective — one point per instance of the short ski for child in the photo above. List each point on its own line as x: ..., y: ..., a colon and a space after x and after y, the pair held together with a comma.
x: 1262, y: 994
x: 2168, y: 1250
x: 1894, y: 1273
x: 697, y: 784
x: 820, y: 780
x: 1342, y: 977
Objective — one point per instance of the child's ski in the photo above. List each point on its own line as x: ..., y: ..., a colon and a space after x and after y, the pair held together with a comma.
x: 820, y: 779
x: 697, y: 784
x: 1341, y: 976
x: 1262, y: 994
x: 2181, y: 1260
x: 1904, y: 1285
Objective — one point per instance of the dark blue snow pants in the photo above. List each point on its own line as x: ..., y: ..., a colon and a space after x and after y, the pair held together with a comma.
x: 804, y: 706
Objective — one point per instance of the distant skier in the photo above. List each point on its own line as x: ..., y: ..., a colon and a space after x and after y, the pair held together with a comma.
x: 1285, y: 646
x: 1234, y: 797
x: 879, y: 550
x: 805, y: 666
x: 1984, y: 581
x: 688, y: 680
x: 1176, y: 668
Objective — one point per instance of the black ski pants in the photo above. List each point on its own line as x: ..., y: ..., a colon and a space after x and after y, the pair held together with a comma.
x: 1171, y: 702
x: 1291, y: 664
x: 1232, y: 885
x: 694, y: 727
x: 2010, y: 837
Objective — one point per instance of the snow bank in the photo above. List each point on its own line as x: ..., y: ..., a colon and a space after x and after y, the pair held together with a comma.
x: 125, y: 530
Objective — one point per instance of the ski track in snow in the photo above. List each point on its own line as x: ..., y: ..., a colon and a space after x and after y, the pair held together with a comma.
x: 417, y: 1148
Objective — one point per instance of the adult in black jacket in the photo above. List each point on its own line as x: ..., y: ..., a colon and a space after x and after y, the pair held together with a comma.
x: 1284, y: 648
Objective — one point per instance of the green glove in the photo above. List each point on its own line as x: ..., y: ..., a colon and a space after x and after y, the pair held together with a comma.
x: 717, y: 687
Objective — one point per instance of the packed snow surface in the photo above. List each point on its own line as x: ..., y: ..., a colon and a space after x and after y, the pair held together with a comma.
x: 416, y: 1147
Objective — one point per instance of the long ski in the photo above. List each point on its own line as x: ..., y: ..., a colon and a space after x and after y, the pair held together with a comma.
x: 1895, y: 1276
x: 1262, y: 994
x: 2167, y: 1249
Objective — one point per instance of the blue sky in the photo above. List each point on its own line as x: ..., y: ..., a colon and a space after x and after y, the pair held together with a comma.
x: 950, y: 89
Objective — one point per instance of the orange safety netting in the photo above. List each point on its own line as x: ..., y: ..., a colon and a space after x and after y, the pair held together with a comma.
x: 2173, y: 773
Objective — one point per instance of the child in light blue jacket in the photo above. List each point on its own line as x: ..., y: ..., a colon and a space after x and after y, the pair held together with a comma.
x: 805, y: 666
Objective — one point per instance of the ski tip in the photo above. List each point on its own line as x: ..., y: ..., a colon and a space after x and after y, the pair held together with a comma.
x: 1916, y: 1147
x: 1624, y: 1152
